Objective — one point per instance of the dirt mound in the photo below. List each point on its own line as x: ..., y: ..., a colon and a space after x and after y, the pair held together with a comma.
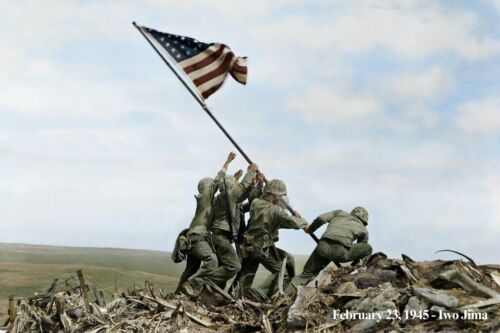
x: 379, y: 295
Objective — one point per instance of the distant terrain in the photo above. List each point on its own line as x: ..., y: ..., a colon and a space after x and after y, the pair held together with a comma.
x: 25, y: 269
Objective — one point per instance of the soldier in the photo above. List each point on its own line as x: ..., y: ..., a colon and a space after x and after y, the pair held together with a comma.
x: 267, y: 216
x: 336, y: 243
x: 226, y: 224
x: 248, y: 269
x: 201, y: 253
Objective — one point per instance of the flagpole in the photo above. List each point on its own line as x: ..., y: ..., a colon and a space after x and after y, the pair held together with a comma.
x: 195, y: 96
x: 210, y: 114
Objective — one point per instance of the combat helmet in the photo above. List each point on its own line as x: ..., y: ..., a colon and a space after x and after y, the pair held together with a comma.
x: 204, y: 183
x: 276, y: 187
x: 360, y: 213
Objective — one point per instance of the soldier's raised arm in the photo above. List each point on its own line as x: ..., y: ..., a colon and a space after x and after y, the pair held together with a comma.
x: 222, y: 173
x: 242, y: 187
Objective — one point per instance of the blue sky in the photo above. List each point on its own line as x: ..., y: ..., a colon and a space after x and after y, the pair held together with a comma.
x: 391, y: 105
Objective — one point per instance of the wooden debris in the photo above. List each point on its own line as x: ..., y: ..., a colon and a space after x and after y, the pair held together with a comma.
x: 381, y: 286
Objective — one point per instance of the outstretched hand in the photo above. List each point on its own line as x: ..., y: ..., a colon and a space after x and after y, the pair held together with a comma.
x: 229, y: 159
x: 238, y: 174
x: 253, y: 167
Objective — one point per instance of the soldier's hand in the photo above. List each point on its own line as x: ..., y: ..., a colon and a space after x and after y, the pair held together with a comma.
x: 231, y: 157
x: 253, y: 167
x: 259, y: 177
x: 238, y: 174
x: 297, y: 214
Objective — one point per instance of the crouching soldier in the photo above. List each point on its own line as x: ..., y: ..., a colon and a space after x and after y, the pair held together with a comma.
x: 336, y: 244
x: 200, y: 252
x: 267, y: 215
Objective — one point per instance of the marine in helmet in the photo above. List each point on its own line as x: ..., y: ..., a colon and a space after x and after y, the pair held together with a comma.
x: 201, y: 258
x: 336, y: 243
x: 226, y: 223
x: 267, y: 215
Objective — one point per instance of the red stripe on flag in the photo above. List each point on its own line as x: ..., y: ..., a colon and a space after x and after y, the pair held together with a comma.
x: 222, y: 69
x: 206, y: 61
x: 211, y: 90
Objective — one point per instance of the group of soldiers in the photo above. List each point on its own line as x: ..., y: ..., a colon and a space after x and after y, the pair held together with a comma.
x: 219, y: 221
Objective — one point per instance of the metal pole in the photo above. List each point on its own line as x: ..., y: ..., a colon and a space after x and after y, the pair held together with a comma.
x: 210, y: 114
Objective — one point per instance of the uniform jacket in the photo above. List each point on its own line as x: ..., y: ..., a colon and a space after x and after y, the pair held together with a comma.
x: 343, y: 227
x: 266, y: 218
x: 204, y: 211
x: 237, y: 193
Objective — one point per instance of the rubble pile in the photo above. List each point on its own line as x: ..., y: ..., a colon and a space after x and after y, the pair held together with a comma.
x: 388, y: 295
x: 379, y: 295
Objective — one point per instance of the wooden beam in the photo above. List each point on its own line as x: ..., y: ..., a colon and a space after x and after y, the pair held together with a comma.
x: 12, y: 310
x: 83, y: 289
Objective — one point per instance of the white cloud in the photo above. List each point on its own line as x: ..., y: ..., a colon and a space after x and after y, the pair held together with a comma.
x: 413, y: 29
x: 424, y: 117
x: 418, y: 86
x: 320, y: 104
x: 481, y: 115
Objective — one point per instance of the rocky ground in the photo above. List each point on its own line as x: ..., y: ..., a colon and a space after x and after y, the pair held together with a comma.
x: 379, y: 295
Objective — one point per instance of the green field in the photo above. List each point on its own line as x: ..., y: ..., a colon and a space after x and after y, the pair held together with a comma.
x: 26, y: 269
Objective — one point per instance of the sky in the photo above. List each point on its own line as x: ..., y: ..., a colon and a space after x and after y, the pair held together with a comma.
x: 391, y: 105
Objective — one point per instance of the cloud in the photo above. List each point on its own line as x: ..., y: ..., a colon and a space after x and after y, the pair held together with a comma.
x: 320, y: 104
x: 414, y: 29
x: 412, y: 86
x: 480, y: 116
x: 424, y: 117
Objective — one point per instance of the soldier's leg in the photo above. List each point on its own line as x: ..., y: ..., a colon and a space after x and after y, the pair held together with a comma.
x: 229, y: 263
x: 192, y: 266
x: 249, y: 268
x: 202, y: 251
x: 358, y: 251
x: 270, y: 285
x: 290, y: 262
x: 272, y: 262
x: 318, y: 260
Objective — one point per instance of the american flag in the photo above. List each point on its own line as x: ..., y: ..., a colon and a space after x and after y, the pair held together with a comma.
x: 207, y: 65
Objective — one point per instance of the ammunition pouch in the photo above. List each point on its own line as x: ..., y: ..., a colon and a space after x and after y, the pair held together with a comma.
x: 246, y: 246
x: 264, y: 242
x: 181, y: 247
x: 183, y: 244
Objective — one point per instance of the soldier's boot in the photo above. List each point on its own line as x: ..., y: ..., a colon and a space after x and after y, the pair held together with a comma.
x: 192, y: 288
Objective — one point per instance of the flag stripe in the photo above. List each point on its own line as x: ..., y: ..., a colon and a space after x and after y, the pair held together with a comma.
x: 209, y: 68
x: 241, y: 78
x: 200, y: 56
x: 223, y: 68
x: 206, y: 61
x: 240, y: 68
x: 211, y: 91
x: 206, y: 66
x: 209, y: 84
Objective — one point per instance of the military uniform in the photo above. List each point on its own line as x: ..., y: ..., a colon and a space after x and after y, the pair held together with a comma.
x: 223, y: 232
x: 265, y: 220
x: 336, y: 243
x: 201, y: 259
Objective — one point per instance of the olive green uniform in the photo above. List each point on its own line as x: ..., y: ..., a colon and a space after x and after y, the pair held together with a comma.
x: 265, y: 220
x: 336, y: 243
x: 201, y: 260
x: 229, y: 263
